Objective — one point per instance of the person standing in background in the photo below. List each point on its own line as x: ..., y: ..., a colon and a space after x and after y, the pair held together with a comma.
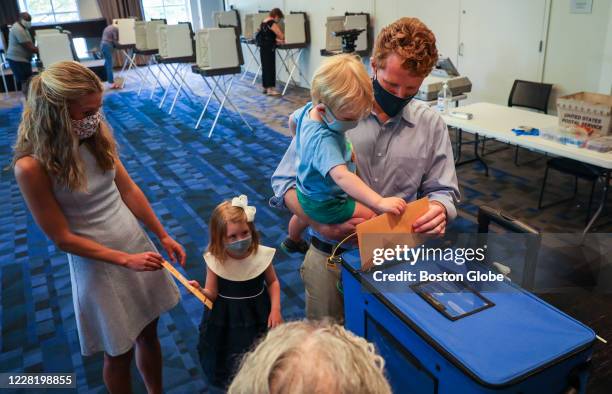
x: 270, y: 35
x: 110, y: 38
x: 20, y: 50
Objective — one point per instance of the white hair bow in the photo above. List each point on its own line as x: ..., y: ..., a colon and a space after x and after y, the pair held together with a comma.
x: 242, y: 202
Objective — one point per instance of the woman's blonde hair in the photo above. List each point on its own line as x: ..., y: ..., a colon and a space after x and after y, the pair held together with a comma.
x: 342, y: 84
x: 45, y: 131
x: 311, y: 357
x: 217, y: 229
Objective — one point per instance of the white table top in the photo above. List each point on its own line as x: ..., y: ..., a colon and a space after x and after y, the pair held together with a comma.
x: 497, y: 121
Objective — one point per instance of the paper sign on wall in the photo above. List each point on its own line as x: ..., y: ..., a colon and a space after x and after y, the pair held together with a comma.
x: 581, y: 6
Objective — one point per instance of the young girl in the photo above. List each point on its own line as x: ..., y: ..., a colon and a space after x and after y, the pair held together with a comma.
x: 244, y: 307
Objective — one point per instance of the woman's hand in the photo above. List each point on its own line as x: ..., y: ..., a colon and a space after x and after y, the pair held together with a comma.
x: 174, y: 249
x: 275, y: 318
x: 147, y: 261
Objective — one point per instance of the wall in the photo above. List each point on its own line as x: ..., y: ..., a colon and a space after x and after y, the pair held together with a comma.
x: 605, y: 82
x: 578, y: 56
x: 89, y: 9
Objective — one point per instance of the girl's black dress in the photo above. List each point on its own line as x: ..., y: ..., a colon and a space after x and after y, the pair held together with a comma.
x: 239, y: 315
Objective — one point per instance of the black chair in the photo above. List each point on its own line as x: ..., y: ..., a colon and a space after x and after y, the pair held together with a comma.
x: 579, y: 170
x: 532, y: 238
x: 527, y: 94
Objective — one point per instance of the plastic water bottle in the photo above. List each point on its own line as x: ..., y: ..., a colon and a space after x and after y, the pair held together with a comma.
x: 444, y: 99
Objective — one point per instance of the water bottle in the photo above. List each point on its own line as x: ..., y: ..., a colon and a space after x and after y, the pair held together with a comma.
x: 444, y: 99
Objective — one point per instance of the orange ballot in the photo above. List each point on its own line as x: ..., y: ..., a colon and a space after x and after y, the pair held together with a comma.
x: 387, y: 231
x: 185, y: 283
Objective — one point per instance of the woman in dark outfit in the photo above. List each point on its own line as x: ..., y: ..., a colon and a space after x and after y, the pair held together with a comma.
x: 272, y: 35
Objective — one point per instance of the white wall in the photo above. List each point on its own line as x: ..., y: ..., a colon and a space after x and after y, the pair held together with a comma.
x: 605, y: 82
x: 89, y: 9
x: 578, y: 54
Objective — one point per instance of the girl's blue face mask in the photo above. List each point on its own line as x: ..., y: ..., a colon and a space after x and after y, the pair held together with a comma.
x: 335, y: 124
x: 239, y: 247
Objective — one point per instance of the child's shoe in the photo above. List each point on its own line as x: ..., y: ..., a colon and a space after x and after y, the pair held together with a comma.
x: 290, y: 246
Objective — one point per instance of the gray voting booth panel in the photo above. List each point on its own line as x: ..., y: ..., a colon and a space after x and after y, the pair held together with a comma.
x: 295, y: 29
x: 227, y: 18
x: 358, y: 22
x: 54, y: 47
x: 217, y: 48
x: 252, y: 23
x: 146, y: 34
x: 334, y: 23
x: 175, y: 40
x: 347, y: 22
x: 127, y: 33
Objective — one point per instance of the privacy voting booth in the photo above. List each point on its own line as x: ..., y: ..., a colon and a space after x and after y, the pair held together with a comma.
x: 348, y: 21
x: 462, y: 336
x: 251, y: 25
x: 297, y: 37
x: 54, y: 46
x: 176, y: 53
x: 218, y: 57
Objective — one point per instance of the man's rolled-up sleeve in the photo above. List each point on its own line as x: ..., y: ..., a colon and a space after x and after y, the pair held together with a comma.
x: 440, y: 181
x: 284, y: 176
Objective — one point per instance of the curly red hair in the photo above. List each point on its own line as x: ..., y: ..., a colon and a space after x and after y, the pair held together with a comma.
x: 412, y: 41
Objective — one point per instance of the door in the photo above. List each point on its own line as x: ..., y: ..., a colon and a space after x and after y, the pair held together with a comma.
x: 500, y: 41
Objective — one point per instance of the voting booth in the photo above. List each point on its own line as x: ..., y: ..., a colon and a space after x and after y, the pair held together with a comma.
x: 218, y: 60
x: 175, y: 54
x: 215, y: 48
x: 146, y: 36
x: 297, y: 37
x: 175, y: 41
x: 349, y: 21
x: 228, y: 18
x: 463, y: 337
x: 54, y: 46
x: 252, y: 23
x: 127, y: 32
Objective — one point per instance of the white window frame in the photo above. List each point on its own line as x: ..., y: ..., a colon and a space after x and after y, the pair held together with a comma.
x: 187, y: 4
x: 23, y: 5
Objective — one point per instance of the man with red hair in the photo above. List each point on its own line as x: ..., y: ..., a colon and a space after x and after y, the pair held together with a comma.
x: 403, y: 149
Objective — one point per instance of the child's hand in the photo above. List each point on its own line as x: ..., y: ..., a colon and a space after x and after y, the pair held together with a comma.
x: 195, y: 284
x: 275, y: 318
x: 394, y: 205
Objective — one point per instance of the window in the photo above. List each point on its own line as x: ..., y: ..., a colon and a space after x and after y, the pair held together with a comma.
x: 173, y: 11
x: 51, y: 11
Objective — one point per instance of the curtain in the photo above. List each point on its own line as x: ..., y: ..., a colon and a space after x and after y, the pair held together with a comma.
x: 9, y: 12
x: 114, y: 9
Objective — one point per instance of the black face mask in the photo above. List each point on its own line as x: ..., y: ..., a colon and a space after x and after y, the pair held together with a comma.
x: 388, y: 102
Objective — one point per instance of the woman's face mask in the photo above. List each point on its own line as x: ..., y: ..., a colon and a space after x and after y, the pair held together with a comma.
x: 88, y: 126
x: 26, y: 24
x: 387, y: 101
x: 239, y: 247
x: 335, y: 124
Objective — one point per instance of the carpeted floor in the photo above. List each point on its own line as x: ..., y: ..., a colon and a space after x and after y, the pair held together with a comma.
x: 185, y: 174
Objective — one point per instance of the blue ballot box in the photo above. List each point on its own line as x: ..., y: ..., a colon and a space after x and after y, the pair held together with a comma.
x: 461, y: 336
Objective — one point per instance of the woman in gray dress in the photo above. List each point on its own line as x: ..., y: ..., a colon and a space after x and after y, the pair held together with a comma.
x: 71, y: 177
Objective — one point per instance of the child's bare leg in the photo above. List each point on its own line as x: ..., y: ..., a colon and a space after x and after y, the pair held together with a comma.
x: 296, y: 228
x: 362, y: 211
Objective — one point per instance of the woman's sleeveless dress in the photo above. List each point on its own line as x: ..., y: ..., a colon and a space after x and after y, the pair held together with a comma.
x: 112, y: 304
